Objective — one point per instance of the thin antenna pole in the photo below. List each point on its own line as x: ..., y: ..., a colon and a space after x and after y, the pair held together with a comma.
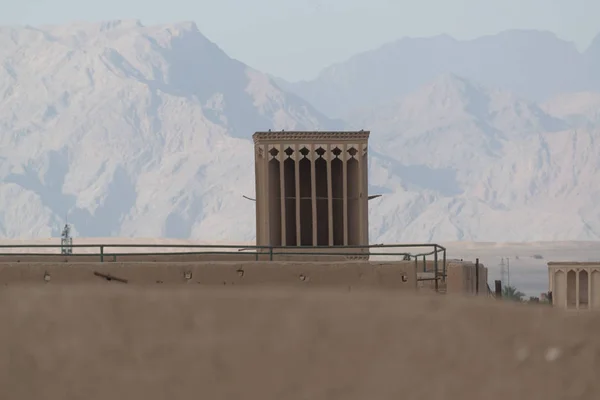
x: 66, y: 241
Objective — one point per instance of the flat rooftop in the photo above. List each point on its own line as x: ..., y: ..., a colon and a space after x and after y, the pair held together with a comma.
x: 571, y: 263
x: 303, y: 136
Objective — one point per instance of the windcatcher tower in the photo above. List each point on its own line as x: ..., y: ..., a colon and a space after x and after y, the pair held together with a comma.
x: 311, y: 189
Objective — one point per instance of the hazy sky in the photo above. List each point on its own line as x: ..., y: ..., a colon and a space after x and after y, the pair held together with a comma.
x: 295, y: 39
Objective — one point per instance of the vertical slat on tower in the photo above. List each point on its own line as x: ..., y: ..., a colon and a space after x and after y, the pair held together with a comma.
x: 313, y: 193
x: 266, y: 220
x: 344, y: 159
x: 281, y: 156
x: 297, y: 181
x: 361, y: 194
x: 329, y: 194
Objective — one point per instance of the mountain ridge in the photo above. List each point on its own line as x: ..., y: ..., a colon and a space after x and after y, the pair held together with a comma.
x: 117, y: 133
x: 140, y: 131
x: 533, y: 64
x: 455, y: 170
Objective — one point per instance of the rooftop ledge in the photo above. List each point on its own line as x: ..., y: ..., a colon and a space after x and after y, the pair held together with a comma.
x: 311, y: 136
x: 565, y: 263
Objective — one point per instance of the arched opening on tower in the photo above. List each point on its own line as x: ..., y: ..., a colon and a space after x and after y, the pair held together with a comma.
x: 571, y: 289
x: 322, y: 203
x: 274, y: 203
x: 306, y: 222
x: 289, y: 170
x: 337, y: 189
x: 353, y: 199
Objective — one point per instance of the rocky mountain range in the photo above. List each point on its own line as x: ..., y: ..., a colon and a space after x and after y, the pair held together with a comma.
x: 132, y: 131
x: 533, y: 64
x: 129, y: 130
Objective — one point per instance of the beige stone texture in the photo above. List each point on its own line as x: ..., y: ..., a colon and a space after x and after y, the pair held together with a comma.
x: 460, y: 275
x: 94, y: 342
x: 302, y: 274
x: 462, y: 278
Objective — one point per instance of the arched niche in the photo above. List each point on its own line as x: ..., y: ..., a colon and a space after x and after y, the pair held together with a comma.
x: 595, y: 295
x: 583, y: 289
x: 289, y: 171
x: 571, y: 289
x: 305, y: 198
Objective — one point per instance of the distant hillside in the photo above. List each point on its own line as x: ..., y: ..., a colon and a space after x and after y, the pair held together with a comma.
x: 463, y: 161
x: 132, y: 130
x: 535, y: 65
x: 137, y: 131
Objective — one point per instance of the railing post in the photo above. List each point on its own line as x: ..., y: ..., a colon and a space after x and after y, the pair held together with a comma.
x: 270, y: 253
x: 435, y: 268
x: 101, y: 253
x: 477, y: 276
x: 444, y: 264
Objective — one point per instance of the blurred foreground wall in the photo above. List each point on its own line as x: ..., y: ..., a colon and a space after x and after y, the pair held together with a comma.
x: 137, y: 342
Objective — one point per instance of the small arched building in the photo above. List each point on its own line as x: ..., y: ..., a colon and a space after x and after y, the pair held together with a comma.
x: 575, y: 285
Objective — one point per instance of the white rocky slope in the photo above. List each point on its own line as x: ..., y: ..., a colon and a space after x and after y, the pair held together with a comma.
x: 459, y: 161
x: 132, y: 131
x: 145, y: 132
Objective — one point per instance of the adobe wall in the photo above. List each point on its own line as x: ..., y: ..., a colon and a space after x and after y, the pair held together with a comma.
x: 428, y: 265
x: 341, y: 274
x: 462, y: 278
x: 218, y: 269
x: 168, y: 342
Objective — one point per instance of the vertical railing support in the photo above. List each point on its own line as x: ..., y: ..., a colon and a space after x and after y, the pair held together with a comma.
x: 444, y: 265
x: 435, y: 269
x: 101, y: 253
x: 477, y: 276
x: 270, y: 253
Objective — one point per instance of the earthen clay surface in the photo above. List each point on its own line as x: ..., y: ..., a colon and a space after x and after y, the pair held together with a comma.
x: 346, y: 275
x: 178, y: 342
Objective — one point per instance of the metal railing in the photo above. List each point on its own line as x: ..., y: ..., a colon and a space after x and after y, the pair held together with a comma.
x: 270, y: 251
